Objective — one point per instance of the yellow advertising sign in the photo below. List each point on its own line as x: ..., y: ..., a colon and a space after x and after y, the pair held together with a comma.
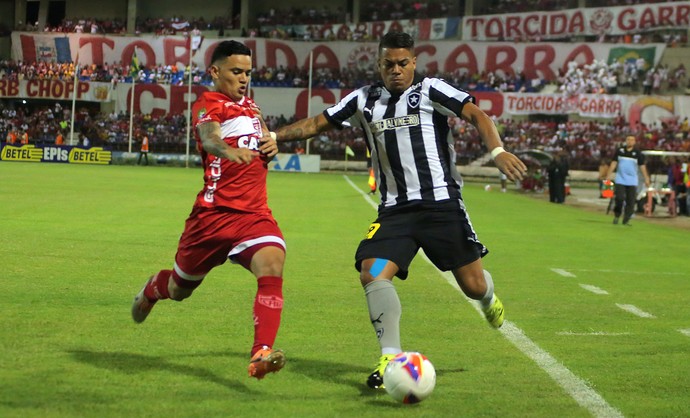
x: 28, y: 153
x: 95, y: 155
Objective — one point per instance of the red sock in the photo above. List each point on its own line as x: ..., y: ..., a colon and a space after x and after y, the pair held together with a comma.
x: 158, y: 287
x: 268, y: 305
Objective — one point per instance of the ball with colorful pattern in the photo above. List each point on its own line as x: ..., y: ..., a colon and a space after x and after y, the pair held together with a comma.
x: 409, y: 377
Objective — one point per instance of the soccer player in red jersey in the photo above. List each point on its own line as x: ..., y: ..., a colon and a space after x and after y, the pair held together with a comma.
x: 230, y: 218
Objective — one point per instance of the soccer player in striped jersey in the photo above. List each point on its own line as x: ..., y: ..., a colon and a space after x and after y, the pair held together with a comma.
x: 405, y: 121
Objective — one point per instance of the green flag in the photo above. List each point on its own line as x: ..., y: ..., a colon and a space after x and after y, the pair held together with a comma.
x: 623, y: 54
x: 134, y: 65
x: 348, y: 151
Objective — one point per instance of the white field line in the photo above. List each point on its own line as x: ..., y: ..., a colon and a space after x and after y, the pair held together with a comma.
x: 594, y: 289
x: 635, y: 310
x: 595, y: 333
x: 563, y: 273
x: 577, y: 388
x: 366, y: 196
x: 656, y: 273
x: 685, y: 332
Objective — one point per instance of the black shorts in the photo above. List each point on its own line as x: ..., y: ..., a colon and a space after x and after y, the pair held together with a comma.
x: 444, y: 232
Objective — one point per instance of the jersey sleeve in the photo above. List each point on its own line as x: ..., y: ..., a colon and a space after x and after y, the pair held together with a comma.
x: 206, y: 111
x: 342, y: 113
x: 447, y: 99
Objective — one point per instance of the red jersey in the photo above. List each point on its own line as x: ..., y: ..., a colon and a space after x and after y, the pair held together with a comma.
x: 237, y: 186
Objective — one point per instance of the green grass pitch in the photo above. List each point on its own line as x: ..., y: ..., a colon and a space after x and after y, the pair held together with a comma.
x: 77, y: 242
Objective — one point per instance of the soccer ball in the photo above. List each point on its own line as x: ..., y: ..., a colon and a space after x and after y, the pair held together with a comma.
x: 487, y: 188
x: 409, y: 377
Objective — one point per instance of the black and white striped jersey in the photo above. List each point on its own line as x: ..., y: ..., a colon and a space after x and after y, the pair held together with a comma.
x: 411, y: 146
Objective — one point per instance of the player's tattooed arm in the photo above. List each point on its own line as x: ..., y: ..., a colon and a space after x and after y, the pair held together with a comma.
x: 209, y: 133
x: 304, y: 129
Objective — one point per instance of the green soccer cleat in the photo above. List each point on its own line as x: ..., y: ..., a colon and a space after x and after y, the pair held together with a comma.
x: 375, y: 380
x: 494, y: 313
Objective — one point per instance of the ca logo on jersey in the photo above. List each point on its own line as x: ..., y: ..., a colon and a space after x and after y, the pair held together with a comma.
x: 248, y: 141
x: 413, y: 99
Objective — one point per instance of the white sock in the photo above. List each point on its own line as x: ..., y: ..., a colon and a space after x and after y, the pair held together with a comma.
x: 488, y: 297
x: 384, y: 313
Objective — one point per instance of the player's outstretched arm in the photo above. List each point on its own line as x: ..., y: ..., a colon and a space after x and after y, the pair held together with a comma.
x: 209, y: 133
x: 508, y: 163
x: 304, y: 129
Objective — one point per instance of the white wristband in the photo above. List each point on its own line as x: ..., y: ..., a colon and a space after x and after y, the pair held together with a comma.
x: 496, y: 151
x: 273, y: 135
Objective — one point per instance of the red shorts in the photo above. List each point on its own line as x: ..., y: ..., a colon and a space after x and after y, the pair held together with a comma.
x: 212, y: 236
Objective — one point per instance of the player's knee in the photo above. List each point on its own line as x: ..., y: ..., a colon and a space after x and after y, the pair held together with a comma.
x: 268, y: 261
x: 476, y: 288
x: 365, y: 277
x: 376, y: 268
x: 274, y: 267
x: 472, y: 284
x: 269, y: 267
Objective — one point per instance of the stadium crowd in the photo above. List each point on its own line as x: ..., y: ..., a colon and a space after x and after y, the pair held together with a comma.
x: 108, y: 72
x: 175, y: 25
x: 597, y: 77
x: 371, y: 11
x: 279, y: 22
x: 585, y: 143
x: 523, y: 6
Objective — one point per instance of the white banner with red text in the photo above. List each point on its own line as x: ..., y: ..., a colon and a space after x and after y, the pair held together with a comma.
x: 566, y: 24
x: 55, y: 90
x: 535, y: 60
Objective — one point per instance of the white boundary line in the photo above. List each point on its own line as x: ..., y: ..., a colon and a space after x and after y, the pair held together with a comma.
x: 563, y: 273
x: 656, y: 273
x: 595, y: 333
x: 577, y: 388
x: 635, y: 310
x: 594, y: 289
x: 685, y: 332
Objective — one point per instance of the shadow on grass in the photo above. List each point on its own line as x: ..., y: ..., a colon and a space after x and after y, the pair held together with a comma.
x: 342, y: 374
x: 329, y: 372
x: 326, y: 371
x: 131, y: 363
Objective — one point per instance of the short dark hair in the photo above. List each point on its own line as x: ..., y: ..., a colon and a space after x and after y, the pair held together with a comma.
x: 396, y: 40
x: 228, y: 48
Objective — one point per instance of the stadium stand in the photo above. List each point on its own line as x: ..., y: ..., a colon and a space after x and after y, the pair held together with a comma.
x: 584, y: 141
